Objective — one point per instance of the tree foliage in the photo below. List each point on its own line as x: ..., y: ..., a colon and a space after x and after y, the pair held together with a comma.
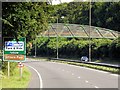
x: 104, y: 14
x: 28, y: 19
x: 101, y: 48
x: 23, y: 19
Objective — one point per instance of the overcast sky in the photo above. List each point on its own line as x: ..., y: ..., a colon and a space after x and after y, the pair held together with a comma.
x: 57, y: 1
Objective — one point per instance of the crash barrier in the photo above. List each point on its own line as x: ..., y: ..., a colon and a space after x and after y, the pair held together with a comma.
x: 92, y: 63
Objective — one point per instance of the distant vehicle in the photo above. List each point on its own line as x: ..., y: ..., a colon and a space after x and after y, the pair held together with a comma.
x: 84, y: 59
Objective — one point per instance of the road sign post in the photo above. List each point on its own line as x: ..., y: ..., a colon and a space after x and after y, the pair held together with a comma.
x: 20, y: 72
x: 14, y: 51
x: 8, y: 69
x: 20, y: 65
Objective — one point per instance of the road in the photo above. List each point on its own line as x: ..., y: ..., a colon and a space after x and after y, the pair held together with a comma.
x: 58, y: 75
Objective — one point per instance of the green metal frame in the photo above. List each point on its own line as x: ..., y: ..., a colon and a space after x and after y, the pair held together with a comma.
x: 72, y: 34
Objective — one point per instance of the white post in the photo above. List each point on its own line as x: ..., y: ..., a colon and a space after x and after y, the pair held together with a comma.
x: 35, y: 47
x: 20, y: 70
x: 8, y: 69
x: 57, y: 38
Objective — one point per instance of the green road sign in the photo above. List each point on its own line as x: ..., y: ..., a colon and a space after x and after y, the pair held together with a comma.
x: 14, y: 50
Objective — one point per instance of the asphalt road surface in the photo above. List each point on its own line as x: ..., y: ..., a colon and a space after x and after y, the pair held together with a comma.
x: 58, y: 75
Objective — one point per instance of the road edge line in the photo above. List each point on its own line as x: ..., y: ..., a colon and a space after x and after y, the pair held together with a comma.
x: 40, y: 78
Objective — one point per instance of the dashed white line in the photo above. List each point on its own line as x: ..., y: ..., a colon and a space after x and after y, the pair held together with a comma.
x: 86, y: 81
x: 114, y: 75
x: 96, y: 87
x: 72, y: 73
x: 78, y: 77
x: 40, y: 78
x: 85, y: 68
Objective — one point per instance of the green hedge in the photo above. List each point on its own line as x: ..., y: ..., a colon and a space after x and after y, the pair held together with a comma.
x: 68, y: 47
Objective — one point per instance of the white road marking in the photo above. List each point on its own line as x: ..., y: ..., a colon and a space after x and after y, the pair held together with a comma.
x: 63, y: 70
x: 84, y: 68
x: 40, y: 78
x: 115, y: 75
x: 86, y: 81
x: 72, y: 73
x: 96, y: 87
x: 78, y: 77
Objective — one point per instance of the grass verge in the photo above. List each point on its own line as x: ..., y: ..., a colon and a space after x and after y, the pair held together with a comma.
x: 103, y: 68
x: 15, y: 81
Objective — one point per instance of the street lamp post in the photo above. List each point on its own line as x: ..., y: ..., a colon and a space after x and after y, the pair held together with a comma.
x: 89, y: 31
x: 35, y: 47
x: 57, y: 38
x: 89, y: 28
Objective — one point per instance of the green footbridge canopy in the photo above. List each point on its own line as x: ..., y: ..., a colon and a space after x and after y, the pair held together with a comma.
x: 76, y: 30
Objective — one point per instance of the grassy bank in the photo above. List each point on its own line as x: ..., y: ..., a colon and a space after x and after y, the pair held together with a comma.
x: 15, y: 81
x: 103, y: 68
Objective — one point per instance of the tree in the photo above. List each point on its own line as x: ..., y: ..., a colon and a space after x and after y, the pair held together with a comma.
x: 106, y: 15
x: 23, y: 19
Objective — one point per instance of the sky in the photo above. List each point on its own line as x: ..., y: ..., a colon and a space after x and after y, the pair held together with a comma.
x: 54, y: 2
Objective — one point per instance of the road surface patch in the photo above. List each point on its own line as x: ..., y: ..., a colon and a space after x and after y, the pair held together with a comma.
x: 96, y: 87
x: 72, y: 73
x: 86, y: 81
x: 40, y: 78
x: 116, y: 75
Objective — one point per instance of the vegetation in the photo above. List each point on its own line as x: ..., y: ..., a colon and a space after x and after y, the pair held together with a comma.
x: 98, y: 67
x: 13, y: 65
x: 102, y: 49
x: 103, y: 68
x: 23, y: 19
x: 104, y: 14
x: 14, y: 81
x: 28, y: 19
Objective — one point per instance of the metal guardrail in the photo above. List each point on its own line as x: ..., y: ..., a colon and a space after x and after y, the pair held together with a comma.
x: 93, y: 63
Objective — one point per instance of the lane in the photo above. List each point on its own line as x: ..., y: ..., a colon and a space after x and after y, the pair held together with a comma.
x: 58, y: 75
x: 99, y: 78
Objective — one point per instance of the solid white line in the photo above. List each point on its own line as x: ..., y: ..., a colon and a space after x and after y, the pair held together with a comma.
x: 40, y: 78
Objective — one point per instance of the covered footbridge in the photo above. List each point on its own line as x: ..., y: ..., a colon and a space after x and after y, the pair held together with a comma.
x: 76, y: 30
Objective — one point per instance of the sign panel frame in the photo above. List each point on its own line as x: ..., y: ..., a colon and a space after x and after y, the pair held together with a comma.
x: 14, y: 51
